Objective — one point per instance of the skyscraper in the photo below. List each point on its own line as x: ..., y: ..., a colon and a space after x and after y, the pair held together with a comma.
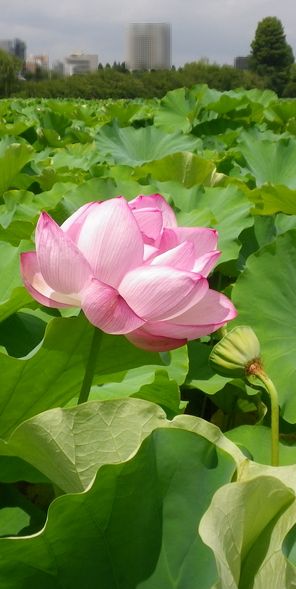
x: 15, y: 47
x: 149, y: 46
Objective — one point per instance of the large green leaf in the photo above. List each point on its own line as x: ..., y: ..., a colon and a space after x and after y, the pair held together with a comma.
x: 283, y: 223
x: 245, y: 526
x: 125, y: 112
x: 13, y: 157
x: 271, y: 199
x: 176, y: 365
x: 229, y: 102
x: 228, y: 212
x: 270, y: 161
x: 144, y: 382
x: 182, y: 198
x: 52, y: 375
x: 48, y: 378
x: 21, y: 208
x: 21, y: 332
x: 281, y: 111
x: 265, y: 298
x: 10, y: 274
x: 135, y: 146
x: 186, y: 168
x: 19, y: 297
x: 76, y: 156
x: 69, y: 445
x: 257, y: 440
x: 136, y: 526
x: 14, y: 469
x: 177, y: 110
x: 13, y: 296
x: 19, y: 205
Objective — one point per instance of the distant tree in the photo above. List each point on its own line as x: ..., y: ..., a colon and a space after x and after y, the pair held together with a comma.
x: 271, y: 56
x: 41, y: 73
x: 9, y: 69
x: 123, y: 68
x: 119, y: 67
x: 290, y: 88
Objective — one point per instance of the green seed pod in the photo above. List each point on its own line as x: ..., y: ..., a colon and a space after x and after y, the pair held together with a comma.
x: 237, y: 354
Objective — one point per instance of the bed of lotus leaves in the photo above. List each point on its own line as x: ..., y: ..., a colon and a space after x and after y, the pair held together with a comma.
x: 139, y: 488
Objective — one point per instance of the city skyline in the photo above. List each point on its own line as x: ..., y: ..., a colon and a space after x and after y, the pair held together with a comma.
x: 216, y: 29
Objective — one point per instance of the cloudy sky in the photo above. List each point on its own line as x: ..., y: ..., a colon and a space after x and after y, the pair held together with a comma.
x: 217, y: 29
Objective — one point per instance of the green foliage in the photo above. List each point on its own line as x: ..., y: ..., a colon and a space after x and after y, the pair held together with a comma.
x: 116, y: 82
x: 257, y: 441
x: 139, y: 487
x: 272, y: 316
x: 9, y: 67
x: 271, y: 55
x: 257, y: 530
x: 133, y: 147
x: 129, y: 539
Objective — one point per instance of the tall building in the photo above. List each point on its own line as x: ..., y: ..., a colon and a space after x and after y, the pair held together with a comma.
x: 149, y: 46
x: 15, y: 47
x: 20, y: 49
x: 81, y: 63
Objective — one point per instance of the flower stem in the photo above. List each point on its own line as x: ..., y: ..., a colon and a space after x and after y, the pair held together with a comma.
x: 274, y: 415
x: 90, y: 366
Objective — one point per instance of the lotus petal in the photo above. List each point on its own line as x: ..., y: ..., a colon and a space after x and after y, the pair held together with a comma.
x: 39, y: 289
x: 153, y: 343
x: 155, y: 201
x: 111, y: 241
x: 204, y: 239
x: 212, y: 312
x: 161, y: 292
x: 180, y: 257
x: 62, y: 265
x: 106, y: 309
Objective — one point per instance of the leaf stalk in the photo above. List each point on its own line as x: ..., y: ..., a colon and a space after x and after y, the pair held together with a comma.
x: 90, y: 366
x: 274, y: 404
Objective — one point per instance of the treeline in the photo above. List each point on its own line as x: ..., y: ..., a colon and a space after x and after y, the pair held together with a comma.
x: 270, y: 65
x: 117, y: 82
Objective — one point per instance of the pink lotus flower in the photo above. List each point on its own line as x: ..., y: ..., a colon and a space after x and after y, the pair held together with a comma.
x: 131, y: 269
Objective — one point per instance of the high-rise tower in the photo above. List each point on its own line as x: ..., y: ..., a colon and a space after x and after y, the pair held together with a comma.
x: 15, y: 47
x: 149, y: 46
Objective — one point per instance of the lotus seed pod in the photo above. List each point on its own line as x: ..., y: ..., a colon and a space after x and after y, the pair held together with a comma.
x: 237, y: 354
